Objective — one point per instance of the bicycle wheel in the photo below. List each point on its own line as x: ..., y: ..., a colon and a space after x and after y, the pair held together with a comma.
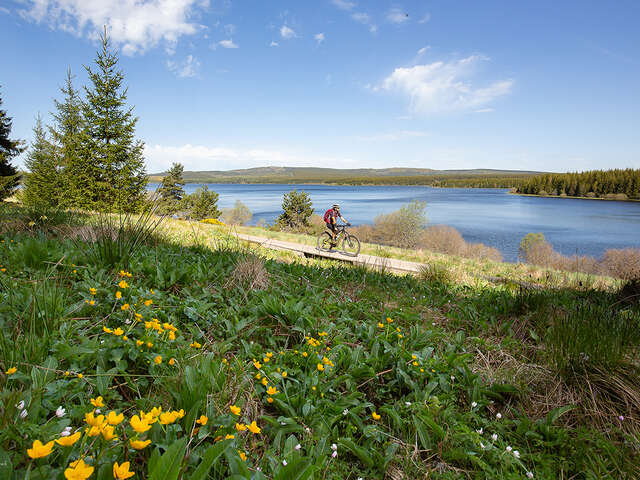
x: 350, y: 245
x: 324, y: 242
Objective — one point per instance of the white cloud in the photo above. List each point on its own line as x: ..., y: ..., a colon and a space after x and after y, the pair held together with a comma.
x: 343, y: 4
x: 4, y: 10
x: 136, y: 25
x: 287, y: 32
x: 397, y: 16
x: 392, y: 136
x: 442, y: 87
x: 186, y: 69
x: 423, y: 50
x: 425, y: 19
x: 361, y: 17
x: 273, y: 44
x: 201, y: 157
x: 227, y: 44
x: 319, y: 37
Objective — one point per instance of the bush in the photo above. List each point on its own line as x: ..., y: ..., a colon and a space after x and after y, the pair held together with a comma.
x: 296, y: 210
x: 622, y: 263
x: 203, y: 203
x: 535, y: 249
x: 403, y: 227
x: 443, y: 239
x: 238, y: 215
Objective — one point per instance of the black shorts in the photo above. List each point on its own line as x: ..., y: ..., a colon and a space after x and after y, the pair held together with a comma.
x: 332, y: 227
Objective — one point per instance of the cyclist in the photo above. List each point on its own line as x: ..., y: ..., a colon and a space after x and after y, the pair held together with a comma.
x: 330, y: 219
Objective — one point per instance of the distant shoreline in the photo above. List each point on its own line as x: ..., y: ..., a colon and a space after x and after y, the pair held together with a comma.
x: 632, y: 200
x: 332, y: 184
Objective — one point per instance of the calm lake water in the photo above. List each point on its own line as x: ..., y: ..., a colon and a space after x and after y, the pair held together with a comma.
x: 490, y: 216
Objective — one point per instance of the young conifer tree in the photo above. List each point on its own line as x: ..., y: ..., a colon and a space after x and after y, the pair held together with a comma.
x: 9, y: 177
x: 112, y: 156
x: 171, y: 192
x: 42, y: 186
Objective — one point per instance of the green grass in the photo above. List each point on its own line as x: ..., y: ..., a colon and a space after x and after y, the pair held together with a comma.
x: 437, y: 359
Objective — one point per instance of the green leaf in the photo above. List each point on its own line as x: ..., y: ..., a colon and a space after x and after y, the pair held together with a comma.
x: 556, y: 413
x: 358, y: 451
x: 168, y: 467
x: 6, y: 468
x: 300, y: 469
x: 209, y: 458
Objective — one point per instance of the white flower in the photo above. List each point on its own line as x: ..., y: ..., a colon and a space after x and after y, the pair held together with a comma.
x: 509, y: 448
x: 408, y: 404
x: 474, y: 404
x: 345, y: 412
x: 283, y: 423
x: 334, y: 447
x: 60, y: 412
x: 298, y: 447
x: 334, y: 454
x: 498, y: 416
x: 98, y: 410
x: 529, y: 474
x: 452, y: 378
x: 67, y: 429
x: 621, y: 418
x: 494, y: 437
x: 479, y: 431
x: 482, y: 445
x: 284, y: 462
x: 127, y: 321
x: 65, y: 433
x: 23, y: 414
x: 516, y: 453
x: 20, y: 405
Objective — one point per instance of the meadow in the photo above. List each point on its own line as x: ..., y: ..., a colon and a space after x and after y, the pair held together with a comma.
x: 172, y: 350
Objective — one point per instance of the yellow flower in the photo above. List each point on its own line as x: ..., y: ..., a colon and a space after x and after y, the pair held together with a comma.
x: 124, y: 307
x: 93, y: 431
x: 67, y: 373
x: 151, y: 291
x: 172, y: 361
x: 240, y: 427
x: 389, y: 320
x: 93, y: 421
x: 320, y: 367
x: 257, y: 364
x: 139, y: 342
x: 122, y: 472
x: 380, y: 324
x: 235, y: 410
x: 157, y: 360
x: 139, y: 425
x: 125, y: 338
x: 139, y: 444
x: 93, y: 291
x: 326, y: 361
x: 258, y: 376
x: 168, y: 417
x: 78, y: 470
x: 114, y: 419
x: 149, y: 344
x: 92, y: 302
x: 272, y: 391
x: 270, y: 400
x: 118, y: 331
x: 108, y: 433
x: 11, y: 371
x: 304, y: 354
x: 243, y: 456
x: 180, y: 413
x: 68, y: 441
x: 284, y: 374
x: 228, y: 436
x: 413, y: 357
x: 399, y: 335
x: 38, y: 450
x: 107, y: 330
x: 195, y: 345
x: 322, y: 334
x: 172, y: 335
x: 254, y: 428
x: 202, y: 420
x: 123, y: 284
x: 264, y: 381
x: 97, y: 402
x: 375, y: 416
x: 148, y: 302
x: 118, y: 294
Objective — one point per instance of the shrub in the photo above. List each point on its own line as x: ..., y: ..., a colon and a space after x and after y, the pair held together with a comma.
x: 316, y: 225
x: 479, y: 250
x: 296, y: 210
x: 443, y: 239
x: 238, y: 215
x: 203, y: 203
x: 622, y: 263
x: 535, y: 249
x: 403, y: 227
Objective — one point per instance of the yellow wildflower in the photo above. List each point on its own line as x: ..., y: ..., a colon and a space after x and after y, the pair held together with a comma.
x: 122, y: 472
x: 107, y: 330
x: 93, y: 291
x: 118, y: 331
x: 270, y: 400
x: 264, y: 381
x: 284, y: 374
x: 68, y: 441
x: 114, y: 419
x: 172, y: 335
x: 139, y: 342
x: 254, y: 428
x: 202, y: 420
x: 118, y: 294
x: 92, y: 420
x: 79, y: 375
x: 139, y: 425
x: 97, y: 402
x: 380, y: 324
x: 167, y: 418
x: 172, y: 361
x: 272, y: 391
x: 415, y: 364
x: 93, y: 431
x: 149, y: 344
x: 108, y: 432
x: 235, y: 410
x: 240, y: 427
x: 124, y: 307
x: 11, y: 371
x: 148, y: 302
x: 38, y: 450
x: 157, y: 360
x: 195, y: 345
x: 389, y: 320
x: 257, y: 364
x: 304, y: 354
x: 123, y: 284
x: 139, y: 444
x: 243, y: 456
x: 320, y: 367
x: 78, y: 470
x: 92, y: 302
x: 375, y: 416
x: 229, y: 436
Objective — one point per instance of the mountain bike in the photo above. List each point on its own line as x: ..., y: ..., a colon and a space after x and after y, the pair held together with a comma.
x: 349, y: 244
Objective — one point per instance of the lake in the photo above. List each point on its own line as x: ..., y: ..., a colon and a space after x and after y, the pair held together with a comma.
x: 490, y: 216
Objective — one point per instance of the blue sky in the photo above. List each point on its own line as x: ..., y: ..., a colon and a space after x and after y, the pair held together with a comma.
x: 542, y: 85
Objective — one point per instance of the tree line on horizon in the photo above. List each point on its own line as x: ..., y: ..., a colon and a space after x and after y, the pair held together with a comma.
x: 617, y: 184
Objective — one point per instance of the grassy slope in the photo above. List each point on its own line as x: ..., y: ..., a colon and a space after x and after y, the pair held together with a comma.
x: 472, y: 342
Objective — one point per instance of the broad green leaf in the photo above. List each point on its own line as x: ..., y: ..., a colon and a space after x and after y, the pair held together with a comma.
x: 209, y: 458
x: 168, y: 466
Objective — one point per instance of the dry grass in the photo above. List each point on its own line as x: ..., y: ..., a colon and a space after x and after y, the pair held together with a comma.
x: 249, y: 274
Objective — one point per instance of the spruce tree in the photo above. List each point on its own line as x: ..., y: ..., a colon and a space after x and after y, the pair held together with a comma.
x: 171, y: 192
x: 9, y: 177
x: 66, y: 134
x: 112, y: 157
x: 42, y: 185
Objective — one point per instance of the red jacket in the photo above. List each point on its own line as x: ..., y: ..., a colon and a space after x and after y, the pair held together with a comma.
x: 329, y: 215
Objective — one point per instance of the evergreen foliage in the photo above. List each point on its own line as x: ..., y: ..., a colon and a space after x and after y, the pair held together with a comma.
x: 9, y: 177
x: 296, y: 210
x: 615, y: 184
x: 111, y: 157
x: 203, y: 203
x: 42, y: 186
x: 171, y: 192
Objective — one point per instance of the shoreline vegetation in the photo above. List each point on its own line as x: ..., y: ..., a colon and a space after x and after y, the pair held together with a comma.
x: 613, y: 198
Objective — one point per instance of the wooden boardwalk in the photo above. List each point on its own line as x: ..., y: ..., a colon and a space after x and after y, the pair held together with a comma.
x: 371, y: 261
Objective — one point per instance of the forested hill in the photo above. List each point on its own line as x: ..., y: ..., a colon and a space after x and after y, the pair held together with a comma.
x: 487, y: 178
x: 609, y: 184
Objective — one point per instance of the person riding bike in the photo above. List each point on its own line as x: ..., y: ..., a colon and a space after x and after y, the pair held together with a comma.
x: 330, y: 219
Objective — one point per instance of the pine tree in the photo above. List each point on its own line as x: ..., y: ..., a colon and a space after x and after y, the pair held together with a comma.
x: 171, y: 191
x: 66, y: 144
x: 9, y: 177
x: 42, y: 186
x: 296, y: 210
x: 112, y: 156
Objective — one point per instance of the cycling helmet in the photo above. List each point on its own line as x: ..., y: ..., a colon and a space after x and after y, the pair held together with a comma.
x: 336, y: 206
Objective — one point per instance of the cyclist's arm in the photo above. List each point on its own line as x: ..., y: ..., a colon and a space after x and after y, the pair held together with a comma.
x: 344, y: 219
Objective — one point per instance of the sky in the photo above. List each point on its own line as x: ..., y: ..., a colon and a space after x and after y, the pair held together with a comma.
x: 221, y: 84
